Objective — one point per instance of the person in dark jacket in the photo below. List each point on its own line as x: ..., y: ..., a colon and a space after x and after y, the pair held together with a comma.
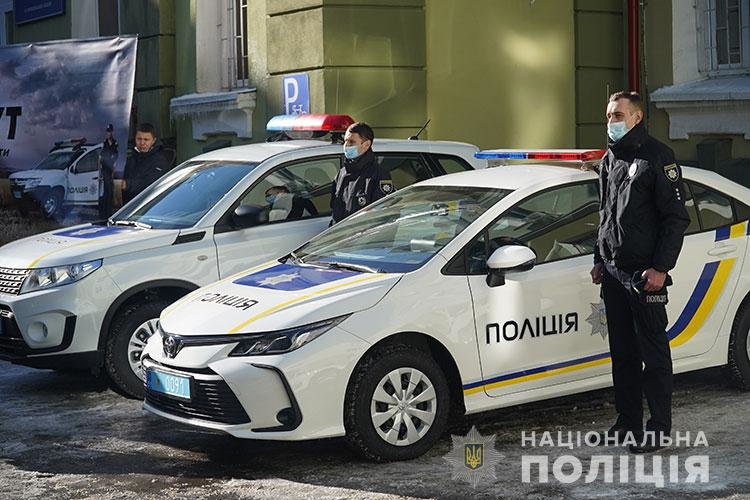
x: 360, y: 181
x: 145, y: 165
x: 642, y: 221
x: 108, y: 160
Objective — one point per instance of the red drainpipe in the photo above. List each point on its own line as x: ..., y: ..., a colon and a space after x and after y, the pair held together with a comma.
x: 634, y: 74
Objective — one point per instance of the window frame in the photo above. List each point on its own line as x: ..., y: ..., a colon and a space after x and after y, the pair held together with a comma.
x: 707, y: 19
x: 689, y: 185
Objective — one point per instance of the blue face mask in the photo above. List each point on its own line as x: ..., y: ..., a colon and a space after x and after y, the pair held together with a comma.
x: 617, y: 130
x: 351, y: 152
x: 270, y: 198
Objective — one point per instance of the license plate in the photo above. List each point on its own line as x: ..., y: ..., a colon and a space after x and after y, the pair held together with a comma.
x: 166, y: 383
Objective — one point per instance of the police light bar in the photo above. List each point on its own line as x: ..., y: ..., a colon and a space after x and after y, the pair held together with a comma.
x: 312, y: 123
x: 580, y: 155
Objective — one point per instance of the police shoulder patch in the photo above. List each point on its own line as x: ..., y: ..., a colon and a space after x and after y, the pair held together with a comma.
x: 672, y: 172
x: 386, y: 186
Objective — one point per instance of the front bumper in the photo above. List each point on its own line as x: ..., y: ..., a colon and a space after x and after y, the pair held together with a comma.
x: 58, y: 327
x: 294, y: 396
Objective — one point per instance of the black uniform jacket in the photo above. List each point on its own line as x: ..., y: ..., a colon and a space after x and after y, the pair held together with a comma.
x: 642, y: 210
x: 358, y: 183
x: 142, y: 169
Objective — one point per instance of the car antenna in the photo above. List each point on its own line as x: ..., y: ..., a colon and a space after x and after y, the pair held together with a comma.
x: 416, y: 137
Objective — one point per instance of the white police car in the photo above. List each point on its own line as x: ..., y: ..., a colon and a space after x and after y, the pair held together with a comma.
x: 68, y: 175
x: 90, y: 295
x: 456, y: 295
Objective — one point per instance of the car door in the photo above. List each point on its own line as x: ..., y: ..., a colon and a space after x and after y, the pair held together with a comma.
x: 299, y: 210
x: 706, y: 272
x: 544, y: 326
x: 83, y: 178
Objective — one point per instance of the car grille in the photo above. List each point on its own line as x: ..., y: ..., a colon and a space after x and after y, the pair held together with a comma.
x: 11, y: 341
x: 210, y: 400
x: 12, y: 279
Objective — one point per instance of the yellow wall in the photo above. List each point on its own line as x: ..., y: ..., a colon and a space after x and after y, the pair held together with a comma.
x: 501, y: 73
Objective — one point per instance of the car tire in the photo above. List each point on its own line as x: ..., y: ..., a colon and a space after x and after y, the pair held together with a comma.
x: 52, y: 204
x: 127, y: 336
x: 738, y: 366
x: 428, y: 418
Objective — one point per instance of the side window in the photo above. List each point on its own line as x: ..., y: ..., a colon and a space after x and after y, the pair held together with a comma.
x: 405, y: 170
x: 296, y: 191
x: 742, y: 210
x: 451, y: 165
x: 89, y: 163
x: 692, y: 210
x: 715, y: 209
x: 556, y: 224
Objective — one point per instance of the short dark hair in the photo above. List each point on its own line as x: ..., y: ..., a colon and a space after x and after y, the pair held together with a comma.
x: 362, y: 129
x: 146, y: 128
x: 633, y: 97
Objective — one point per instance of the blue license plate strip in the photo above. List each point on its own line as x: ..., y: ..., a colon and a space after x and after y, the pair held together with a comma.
x: 166, y: 383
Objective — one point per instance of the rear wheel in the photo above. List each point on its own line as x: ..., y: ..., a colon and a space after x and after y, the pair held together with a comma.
x: 397, y: 404
x: 128, y: 335
x: 738, y: 366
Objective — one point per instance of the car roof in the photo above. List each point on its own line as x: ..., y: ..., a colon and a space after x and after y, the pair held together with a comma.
x: 511, y: 176
x: 263, y: 150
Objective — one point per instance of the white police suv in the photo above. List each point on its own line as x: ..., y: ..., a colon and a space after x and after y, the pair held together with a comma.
x: 69, y: 175
x: 456, y: 295
x: 90, y: 295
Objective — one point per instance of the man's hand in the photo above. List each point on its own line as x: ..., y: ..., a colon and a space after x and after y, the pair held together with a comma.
x: 596, y: 273
x: 654, y: 279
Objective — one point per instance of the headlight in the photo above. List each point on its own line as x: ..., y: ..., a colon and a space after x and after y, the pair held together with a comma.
x: 284, y: 340
x: 32, y: 183
x: 50, y: 277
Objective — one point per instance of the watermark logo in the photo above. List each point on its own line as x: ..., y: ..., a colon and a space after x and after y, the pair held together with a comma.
x: 473, y: 458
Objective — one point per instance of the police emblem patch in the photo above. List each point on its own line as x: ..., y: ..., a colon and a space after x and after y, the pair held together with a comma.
x: 473, y: 458
x: 673, y: 173
x: 362, y: 201
x: 386, y: 186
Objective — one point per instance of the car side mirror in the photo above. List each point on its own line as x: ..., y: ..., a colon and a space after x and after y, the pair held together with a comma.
x: 508, y: 259
x: 249, y: 216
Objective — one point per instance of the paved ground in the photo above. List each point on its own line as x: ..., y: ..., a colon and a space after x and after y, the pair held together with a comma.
x: 69, y: 436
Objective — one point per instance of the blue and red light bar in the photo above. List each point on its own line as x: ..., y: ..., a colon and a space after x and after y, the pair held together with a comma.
x: 546, y: 154
x: 312, y: 123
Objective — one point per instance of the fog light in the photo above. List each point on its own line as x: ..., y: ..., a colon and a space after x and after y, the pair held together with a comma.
x: 38, y: 331
x: 285, y: 416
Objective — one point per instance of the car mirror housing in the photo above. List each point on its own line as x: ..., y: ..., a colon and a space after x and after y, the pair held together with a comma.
x: 508, y: 259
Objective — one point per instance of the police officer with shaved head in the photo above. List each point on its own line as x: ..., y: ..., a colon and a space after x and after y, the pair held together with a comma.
x: 360, y: 181
x: 642, y: 221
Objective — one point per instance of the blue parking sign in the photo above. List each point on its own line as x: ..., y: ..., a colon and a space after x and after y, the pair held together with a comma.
x: 296, y: 91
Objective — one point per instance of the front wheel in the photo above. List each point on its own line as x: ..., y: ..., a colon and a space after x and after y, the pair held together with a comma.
x: 127, y: 338
x: 52, y: 204
x: 738, y: 366
x: 397, y: 404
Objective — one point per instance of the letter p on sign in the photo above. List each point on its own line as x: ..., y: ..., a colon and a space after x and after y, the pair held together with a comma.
x: 296, y: 92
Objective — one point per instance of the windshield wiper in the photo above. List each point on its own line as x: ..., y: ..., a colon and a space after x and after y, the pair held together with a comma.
x: 135, y: 223
x: 352, y: 267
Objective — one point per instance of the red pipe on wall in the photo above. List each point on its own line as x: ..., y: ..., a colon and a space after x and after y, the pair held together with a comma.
x: 634, y: 73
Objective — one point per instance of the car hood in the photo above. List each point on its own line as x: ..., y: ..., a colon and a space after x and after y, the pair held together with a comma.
x: 81, y: 244
x: 37, y: 174
x: 273, y: 297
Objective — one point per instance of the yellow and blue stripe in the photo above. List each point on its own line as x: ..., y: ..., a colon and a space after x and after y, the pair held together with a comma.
x: 706, y: 293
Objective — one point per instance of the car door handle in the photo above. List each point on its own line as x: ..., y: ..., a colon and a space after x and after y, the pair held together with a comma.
x: 722, y: 250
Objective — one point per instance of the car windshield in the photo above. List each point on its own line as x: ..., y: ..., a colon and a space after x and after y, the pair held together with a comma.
x: 57, y: 161
x: 401, y: 232
x: 182, y: 197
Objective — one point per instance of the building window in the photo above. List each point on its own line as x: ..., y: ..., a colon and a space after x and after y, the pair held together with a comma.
x: 727, y: 36
x: 238, y: 59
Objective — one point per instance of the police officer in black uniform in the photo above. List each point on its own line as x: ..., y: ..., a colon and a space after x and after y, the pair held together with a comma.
x: 108, y: 160
x: 642, y: 221
x: 359, y: 182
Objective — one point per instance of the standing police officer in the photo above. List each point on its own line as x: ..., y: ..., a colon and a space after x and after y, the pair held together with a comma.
x: 359, y: 182
x: 642, y: 221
